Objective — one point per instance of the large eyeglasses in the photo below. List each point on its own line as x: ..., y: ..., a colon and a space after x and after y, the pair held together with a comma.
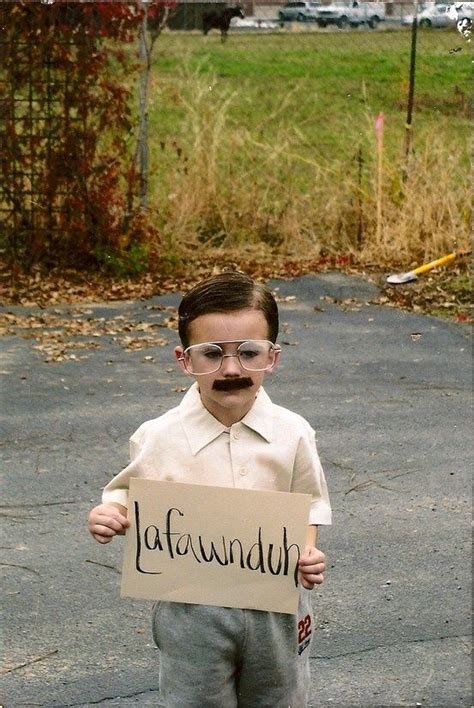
x: 207, y: 358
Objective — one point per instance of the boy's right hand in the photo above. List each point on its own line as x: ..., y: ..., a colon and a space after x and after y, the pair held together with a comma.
x: 106, y: 521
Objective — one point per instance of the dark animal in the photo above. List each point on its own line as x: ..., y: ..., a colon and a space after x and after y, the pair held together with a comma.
x: 220, y: 19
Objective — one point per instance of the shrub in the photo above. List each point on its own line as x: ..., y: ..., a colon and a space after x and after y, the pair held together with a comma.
x: 68, y: 174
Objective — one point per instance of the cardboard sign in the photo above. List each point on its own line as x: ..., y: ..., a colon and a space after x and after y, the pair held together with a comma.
x: 214, y: 545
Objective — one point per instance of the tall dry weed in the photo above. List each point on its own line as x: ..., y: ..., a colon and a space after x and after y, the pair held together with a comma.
x: 226, y: 187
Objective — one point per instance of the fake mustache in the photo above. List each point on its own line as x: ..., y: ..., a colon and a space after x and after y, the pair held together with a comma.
x: 232, y: 384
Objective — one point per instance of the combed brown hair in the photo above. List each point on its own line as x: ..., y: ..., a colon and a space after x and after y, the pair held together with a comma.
x: 227, y: 292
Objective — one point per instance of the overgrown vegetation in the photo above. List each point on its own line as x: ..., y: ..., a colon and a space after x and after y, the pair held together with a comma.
x: 263, y: 155
x: 267, y: 147
x: 69, y: 180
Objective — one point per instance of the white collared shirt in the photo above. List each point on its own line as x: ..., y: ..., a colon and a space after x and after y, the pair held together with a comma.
x: 271, y: 449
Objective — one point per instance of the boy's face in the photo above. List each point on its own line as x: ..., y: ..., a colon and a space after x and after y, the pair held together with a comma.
x: 229, y: 393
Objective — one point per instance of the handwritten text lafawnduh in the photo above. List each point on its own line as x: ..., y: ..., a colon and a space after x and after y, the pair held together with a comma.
x: 171, y: 540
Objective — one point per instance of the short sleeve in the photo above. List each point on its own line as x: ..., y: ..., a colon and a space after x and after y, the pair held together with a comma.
x: 116, y: 491
x: 308, y: 478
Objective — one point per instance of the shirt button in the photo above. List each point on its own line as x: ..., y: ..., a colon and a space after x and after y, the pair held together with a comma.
x: 243, y: 471
x: 236, y: 435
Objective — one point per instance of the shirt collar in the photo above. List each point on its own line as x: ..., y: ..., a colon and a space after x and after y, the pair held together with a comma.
x: 201, y: 428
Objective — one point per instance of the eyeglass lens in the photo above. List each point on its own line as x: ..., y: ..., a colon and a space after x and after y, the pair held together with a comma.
x: 254, y: 355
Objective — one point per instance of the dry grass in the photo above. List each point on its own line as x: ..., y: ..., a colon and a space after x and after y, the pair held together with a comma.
x: 226, y: 187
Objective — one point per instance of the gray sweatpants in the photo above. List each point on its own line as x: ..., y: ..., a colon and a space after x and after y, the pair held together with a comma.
x: 216, y: 657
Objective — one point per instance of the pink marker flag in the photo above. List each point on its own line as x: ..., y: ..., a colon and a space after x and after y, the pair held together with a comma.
x: 379, y: 121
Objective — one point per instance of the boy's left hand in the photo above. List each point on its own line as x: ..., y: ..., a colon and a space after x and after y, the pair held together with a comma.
x: 312, y: 565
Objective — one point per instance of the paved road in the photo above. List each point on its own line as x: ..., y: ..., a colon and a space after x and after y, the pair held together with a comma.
x: 388, y: 393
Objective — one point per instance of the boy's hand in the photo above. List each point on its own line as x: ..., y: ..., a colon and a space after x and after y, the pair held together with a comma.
x: 312, y: 565
x: 106, y: 521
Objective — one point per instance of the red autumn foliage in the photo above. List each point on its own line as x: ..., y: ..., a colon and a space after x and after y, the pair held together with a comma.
x: 69, y: 183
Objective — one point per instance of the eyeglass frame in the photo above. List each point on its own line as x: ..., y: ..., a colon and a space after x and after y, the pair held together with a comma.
x: 273, y: 347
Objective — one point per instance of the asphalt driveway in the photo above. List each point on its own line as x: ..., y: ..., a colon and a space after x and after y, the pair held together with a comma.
x: 388, y: 393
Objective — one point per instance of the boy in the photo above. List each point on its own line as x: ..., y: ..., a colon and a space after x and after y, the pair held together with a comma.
x: 227, y: 432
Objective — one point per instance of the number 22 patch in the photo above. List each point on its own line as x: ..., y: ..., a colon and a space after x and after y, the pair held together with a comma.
x: 305, y: 630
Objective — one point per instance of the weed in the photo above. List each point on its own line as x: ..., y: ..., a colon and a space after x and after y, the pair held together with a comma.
x: 130, y: 262
x: 461, y: 288
x: 293, y: 171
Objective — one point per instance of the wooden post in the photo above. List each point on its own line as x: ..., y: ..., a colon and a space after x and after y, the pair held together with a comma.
x: 411, y: 86
x: 146, y: 42
x: 379, y: 125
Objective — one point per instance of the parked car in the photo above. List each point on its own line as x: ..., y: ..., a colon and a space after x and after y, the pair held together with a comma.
x: 299, y: 10
x: 434, y: 15
x: 355, y: 13
x: 464, y: 11
x: 250, y: 23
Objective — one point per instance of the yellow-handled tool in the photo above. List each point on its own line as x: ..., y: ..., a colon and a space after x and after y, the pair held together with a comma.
x: 398, y: 278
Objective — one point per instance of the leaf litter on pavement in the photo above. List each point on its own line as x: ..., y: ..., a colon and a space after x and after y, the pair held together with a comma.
x: 60, y: 338
x: 444, y: 293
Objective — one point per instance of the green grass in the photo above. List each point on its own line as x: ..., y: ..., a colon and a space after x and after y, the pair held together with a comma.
x: 273, y: 125
x: 331, y: 82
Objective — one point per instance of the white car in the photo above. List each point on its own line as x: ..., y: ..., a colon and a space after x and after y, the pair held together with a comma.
x: 351, y: 13
x: 446, y: 15
x: 299, y: 10
x: 253, y: 23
